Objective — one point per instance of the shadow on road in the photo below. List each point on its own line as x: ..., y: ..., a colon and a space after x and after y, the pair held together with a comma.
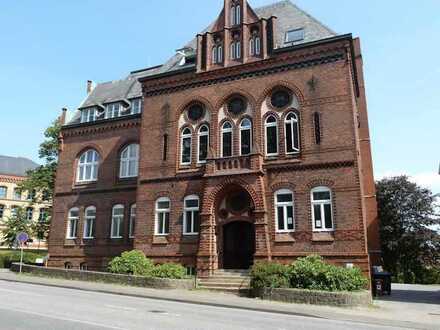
x: 419, y: 294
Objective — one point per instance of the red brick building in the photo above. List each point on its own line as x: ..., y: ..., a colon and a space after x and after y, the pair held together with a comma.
x: 251, y: 143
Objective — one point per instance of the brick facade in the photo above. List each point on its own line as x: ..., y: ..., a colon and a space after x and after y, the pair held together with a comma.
x: 324, y: 78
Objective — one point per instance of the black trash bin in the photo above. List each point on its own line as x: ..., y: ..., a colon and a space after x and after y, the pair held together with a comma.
x: 381, y: 281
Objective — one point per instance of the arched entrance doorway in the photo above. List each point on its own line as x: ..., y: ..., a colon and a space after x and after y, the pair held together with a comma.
x: 238, y: 245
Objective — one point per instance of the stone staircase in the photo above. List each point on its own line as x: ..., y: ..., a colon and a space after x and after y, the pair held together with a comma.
x: 235, y: 281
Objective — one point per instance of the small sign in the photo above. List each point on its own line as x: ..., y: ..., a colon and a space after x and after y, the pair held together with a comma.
x: 289, y: 221
x: 22, y: 237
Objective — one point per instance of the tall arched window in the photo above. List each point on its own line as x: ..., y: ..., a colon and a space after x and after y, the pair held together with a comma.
x: 255, y: 46
x: 291, y: 133
x: 162, y: 223
x: 88, y: 166
x: 322, y: 210
x: 245, y: 137
x: 186, y: 141
x: 117, y: 221
x: 236, y: 50
x: 217, y: 54
x: 191, y: 219
x: 89, y: 222
x: 129, y: 166
x: 236, y: 14
x: 284, y: 214
x: 203, y: 142
x: 271, y: 128
x: 72, y: 223
x: 132, y: 224
x: 227, y: 139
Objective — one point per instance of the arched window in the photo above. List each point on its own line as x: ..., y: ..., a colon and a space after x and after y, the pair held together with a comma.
x: 68, y: 265
x: 191, y: 218
x: 29, y: 213
x: 129, y: 166
x: 284, y: 214
x: 88, y: 166
x: 236, y: 50
x: 203, y: 141
x: 83, y: 266
x: 255, y: 46
x: 89, y: 222
x: 186, y: 141
x: 217, y: 54
x: 291, y: 133
x: 163, y: 208
x: 132, y: 224
x: 271, y: 128
x: 227, y: 139
x: 3, y: 192
x: 72, y: 223
x: 322, y: 210
x: 117, y: 221
x: 235, y: 15
x: 245, y: 137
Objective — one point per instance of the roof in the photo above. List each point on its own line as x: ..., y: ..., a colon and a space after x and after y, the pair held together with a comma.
x: 17, y: 166
x: 289, y: 17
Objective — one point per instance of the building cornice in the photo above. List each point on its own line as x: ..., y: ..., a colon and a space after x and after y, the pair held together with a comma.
x: 11, y: 178
x: 102, y: 126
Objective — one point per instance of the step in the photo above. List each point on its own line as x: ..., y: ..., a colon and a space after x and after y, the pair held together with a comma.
x: 231, y: 271
x: 223, y: 285
x: 227, y: 290
x: 223, y: 280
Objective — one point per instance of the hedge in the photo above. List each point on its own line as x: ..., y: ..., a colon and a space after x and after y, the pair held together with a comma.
x: 6, y: 259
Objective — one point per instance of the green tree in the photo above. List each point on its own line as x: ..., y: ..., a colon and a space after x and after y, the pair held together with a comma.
x: 407, y: 214
x: 14, y: 225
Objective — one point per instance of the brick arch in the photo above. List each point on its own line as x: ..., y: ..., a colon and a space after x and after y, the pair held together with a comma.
x: 282, y: 185
x: 295, y: 90
x: 194, y: 99
x: 320, y: 182
x: 249, y: 97
x: 88, y: 147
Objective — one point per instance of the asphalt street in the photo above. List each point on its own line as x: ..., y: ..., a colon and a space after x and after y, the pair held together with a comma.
x: 25, y: 306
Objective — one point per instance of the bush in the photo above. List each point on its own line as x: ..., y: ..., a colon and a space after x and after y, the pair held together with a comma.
x: 169, y: 270
x: 269, y: 275
x: 310, y: 273
x: 132, y: 263
x: 8, y: 258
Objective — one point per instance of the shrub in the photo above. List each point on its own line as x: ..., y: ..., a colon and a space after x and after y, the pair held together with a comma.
x: 131, y: 263
x: 269, y: 275
x: 169, y: 270
x: 8, y: 258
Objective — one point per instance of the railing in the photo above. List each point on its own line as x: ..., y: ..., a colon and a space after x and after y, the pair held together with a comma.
x: 233, y: 163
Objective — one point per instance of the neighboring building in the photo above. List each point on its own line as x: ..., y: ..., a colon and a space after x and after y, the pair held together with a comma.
x: 12, y: 172
x: 251, y: 143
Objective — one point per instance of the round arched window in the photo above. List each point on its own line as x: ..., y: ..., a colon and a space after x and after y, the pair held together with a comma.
x: 237, y: 105
x: 196, y: 111
x: 280, y: 98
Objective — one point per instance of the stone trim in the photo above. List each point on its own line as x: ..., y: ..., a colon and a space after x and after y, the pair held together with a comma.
x: 316, y: 166
x: 77, y: 192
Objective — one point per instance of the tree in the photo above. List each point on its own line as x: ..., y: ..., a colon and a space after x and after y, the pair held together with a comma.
x: 14, y: 225
x: 407, y: 216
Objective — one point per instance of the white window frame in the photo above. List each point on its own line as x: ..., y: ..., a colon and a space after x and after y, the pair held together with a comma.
x: 284, y: 205
x: 117, y: 220
x: 89, y: 222
x: 127, y: 160
x: 94, y: 164
x: 184, y: 136
x: 164, y: 211
x: 266, y: 126
x: 214, y: 55
x: 4, y: 189
x: 88, y: 115
x: 136, y: 106
x: 292, y: 122
x: 219, y: 54
x: 257, y: 46
x: 248, y: 128
x: 113, y: 110
x: 296, y: 40
x: 72, y: 224
x: 199, y: 135
x: 192, y: 210
x: 227, y: 130
x: 322, y: 203
x: 132, y: 223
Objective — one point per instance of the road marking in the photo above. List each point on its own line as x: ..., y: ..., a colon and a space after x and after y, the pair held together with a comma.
x: 23, y: 292
x: 63, y: 318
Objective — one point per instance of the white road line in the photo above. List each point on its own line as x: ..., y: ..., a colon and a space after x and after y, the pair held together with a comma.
x: 28, y: 293
x: 63, y: 318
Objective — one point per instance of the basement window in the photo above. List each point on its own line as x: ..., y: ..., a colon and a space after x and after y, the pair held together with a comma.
x: 295, y: 35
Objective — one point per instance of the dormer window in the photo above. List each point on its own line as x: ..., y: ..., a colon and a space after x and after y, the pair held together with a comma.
x: 255, y: 46
x: 296, y: 35
x: 113, y: 110
x: 235, y: 15
x: 88, y: 115
x: 217, y: 54
x: 235, y: 50
x: 136, y: 106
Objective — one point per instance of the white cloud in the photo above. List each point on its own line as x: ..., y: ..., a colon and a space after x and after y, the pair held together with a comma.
x: 429, y: 180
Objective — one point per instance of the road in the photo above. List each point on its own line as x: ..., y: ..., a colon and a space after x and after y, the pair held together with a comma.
x: 25, y: 306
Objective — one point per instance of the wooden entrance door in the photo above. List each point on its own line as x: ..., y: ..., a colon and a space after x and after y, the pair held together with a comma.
x: 238, y: 245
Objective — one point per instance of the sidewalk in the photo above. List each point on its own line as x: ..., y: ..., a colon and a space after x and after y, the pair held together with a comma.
x: 384, y: 312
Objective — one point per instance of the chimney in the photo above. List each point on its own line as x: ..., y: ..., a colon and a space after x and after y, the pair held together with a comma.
x: 90, y: 86
x: 63, y: 116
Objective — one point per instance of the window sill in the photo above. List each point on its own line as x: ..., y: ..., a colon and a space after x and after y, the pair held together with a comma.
x: 323, y: 236
x: 88, y: 238
x: 160, y: 240
x: 285, y: 237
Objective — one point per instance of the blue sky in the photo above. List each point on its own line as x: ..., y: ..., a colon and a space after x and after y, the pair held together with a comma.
x: 51, y: 47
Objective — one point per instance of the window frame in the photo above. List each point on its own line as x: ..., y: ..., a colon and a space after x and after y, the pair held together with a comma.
x: 242, y: 129
x: 88, y: 115
x: 132, y: 222
x: 322, y: 202
x: 266, y: 126
x: 120, y: 220
x: 192, y: 210
x: 88, y: 234
x: 184, y: 136
x: 286, y: 38
x: 17, y: 194
x: 29, y: 213
x: 224, y: 131
x: 137, y: 101
x: 2, y: 211
x: 284, y: 205
x: 201, y: 134
x: 128, y: 160
x: 298, y: 135
x: 71, y: 219
x: 164, y: 211
x: 5, y: 190
x: 94, y: 166
x: 110, y: 110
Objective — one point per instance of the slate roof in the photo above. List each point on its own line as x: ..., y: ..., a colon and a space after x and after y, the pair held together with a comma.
x: 17, y: 166
x: 289, y: 17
